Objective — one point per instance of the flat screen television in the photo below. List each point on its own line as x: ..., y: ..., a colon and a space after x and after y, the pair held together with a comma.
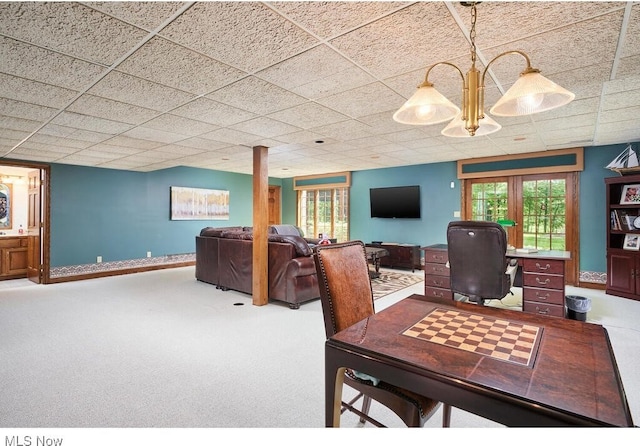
x: 395, y: 202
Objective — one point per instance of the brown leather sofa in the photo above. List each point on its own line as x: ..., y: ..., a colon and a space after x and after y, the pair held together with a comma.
x: 224, y: 257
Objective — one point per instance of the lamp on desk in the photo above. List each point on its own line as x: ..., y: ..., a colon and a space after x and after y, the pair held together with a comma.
x: 505, y: 223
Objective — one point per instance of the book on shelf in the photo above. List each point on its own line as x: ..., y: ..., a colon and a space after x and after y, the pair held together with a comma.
x: 622, y: 220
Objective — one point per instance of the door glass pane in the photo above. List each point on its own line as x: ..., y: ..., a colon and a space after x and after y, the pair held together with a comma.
x: 489, y: 201
x: 324, y: 211
x: 544, y: 214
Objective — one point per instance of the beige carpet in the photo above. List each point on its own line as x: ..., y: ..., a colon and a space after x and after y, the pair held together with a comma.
x: 392, y: 281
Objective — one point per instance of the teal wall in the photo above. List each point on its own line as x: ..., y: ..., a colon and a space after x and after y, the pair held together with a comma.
x: 121, y: 215
x: 438, y: 200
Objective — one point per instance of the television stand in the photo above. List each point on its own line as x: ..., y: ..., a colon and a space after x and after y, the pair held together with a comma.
x: 401, y: 255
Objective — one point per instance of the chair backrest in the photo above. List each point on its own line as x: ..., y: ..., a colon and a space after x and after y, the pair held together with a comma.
x: 477, y: 259
x: 345, y: 286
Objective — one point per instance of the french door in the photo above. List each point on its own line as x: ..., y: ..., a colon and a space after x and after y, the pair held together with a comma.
x: 538, y: 211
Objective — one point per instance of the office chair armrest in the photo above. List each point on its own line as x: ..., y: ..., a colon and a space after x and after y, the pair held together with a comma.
x: 512, y: 269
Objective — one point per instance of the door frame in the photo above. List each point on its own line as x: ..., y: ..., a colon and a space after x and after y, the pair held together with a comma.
x: 572, y: 237
x: 45, y: 214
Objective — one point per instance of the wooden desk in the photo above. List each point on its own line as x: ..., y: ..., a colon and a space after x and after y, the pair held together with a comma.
x: 572, y: 378
x: 543, y: 278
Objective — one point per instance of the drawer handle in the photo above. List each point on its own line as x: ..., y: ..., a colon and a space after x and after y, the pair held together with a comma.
x: 437, y: 283
x: 545, y: 282
x: 433, y: 293
x: 542, y: 297
x: 438, y: 258
x: 539, y: 311
x: 541, y: 268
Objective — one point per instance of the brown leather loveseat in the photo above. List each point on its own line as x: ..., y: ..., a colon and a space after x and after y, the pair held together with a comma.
x: 224, y: 257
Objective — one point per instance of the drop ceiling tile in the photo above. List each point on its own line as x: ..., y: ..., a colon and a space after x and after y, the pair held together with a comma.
x: 308, y: 115
x: 327, y: 20
x: 579, y: 45
x: 631, y: 46
x: 48, y: 140
x: 404, y: 41
x: 115, y: 150
x: 318, y: 72
x: 34, y: 146
x: 231, y: 136
x: 301, y: 137
x: 499, y: 23
x: 24, y: 90
x: 180, y: 150
x: 90, y: 123
x: 363, y: 101
x: 24, y: 125
x: 24, y: 110
x: 133, y: 143
x: 345, y: 130
x: 125, y: 88
x: 179, y: 125
x: 629, y: 66
x: 617, y: 101
x: 69, y: 28
x: 265, y: 127
x: 202, y: 144
x: 74, y: 133
x: 219, y: 29
x: 619, y: 116
x: 156, y: 61
x: 100, y: 107
x: 256, y: 95
x: 38, y: 64
x: 150, y: 134
x: 38, y: 156
x: 147, y: 15
x: 213, y: 112
x: 101, y: 155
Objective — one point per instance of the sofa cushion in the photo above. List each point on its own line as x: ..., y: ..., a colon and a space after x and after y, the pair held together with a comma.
x: 301, y: 246
x: 285, y: 230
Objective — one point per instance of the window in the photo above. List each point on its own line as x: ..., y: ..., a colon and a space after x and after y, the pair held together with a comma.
x: 324, y: 211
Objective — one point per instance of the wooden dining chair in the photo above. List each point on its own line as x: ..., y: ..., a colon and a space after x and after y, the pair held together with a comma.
x: 347, y: 298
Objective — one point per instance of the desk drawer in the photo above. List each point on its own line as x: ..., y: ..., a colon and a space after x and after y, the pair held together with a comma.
x: 437, y: 281
x: 438, y: 269
x: 543, y: 281
x: 543, y: 266
x: 438, y: 292
x: 544, y: 309
x: 543, y: 296
x: 436, y: 256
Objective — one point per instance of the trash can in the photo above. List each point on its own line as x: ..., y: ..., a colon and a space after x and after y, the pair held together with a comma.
x: 577, y: 307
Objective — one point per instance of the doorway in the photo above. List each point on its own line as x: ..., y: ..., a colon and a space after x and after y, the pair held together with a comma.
x: 25, y: 232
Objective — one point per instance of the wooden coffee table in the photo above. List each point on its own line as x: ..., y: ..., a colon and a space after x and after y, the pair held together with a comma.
x: 374, y: 255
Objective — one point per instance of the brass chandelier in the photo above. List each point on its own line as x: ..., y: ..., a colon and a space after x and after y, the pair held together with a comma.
x: 531, y: 93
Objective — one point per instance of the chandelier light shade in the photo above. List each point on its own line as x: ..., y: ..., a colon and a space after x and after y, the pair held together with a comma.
x: 427, y: 106
x: 457, y: 128
x: 531, y: 93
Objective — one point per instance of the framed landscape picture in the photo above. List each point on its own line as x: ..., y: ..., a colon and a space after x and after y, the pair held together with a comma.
x: 630, y: 194
x: 189, y: 203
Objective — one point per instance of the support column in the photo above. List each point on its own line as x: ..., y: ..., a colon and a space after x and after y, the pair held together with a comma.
x: 260, y: 285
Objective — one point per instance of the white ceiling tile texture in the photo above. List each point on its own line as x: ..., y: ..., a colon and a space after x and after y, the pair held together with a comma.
x: 150, y: 85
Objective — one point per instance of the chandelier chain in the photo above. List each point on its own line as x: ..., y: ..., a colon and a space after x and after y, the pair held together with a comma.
x: 472, y: 33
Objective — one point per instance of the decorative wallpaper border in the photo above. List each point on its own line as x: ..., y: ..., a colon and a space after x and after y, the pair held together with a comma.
x: 593, y: 277
x: 91, y: 268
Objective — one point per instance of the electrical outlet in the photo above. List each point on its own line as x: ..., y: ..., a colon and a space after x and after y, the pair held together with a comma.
x: 456, y: 214
x: 99, y: 259
x: 148, y: 253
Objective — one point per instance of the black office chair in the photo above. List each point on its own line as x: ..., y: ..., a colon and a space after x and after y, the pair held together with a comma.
x: 479, y: 268
x: 347, y: 298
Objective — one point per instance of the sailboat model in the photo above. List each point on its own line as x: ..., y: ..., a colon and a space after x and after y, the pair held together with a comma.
x: 625, y: 163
